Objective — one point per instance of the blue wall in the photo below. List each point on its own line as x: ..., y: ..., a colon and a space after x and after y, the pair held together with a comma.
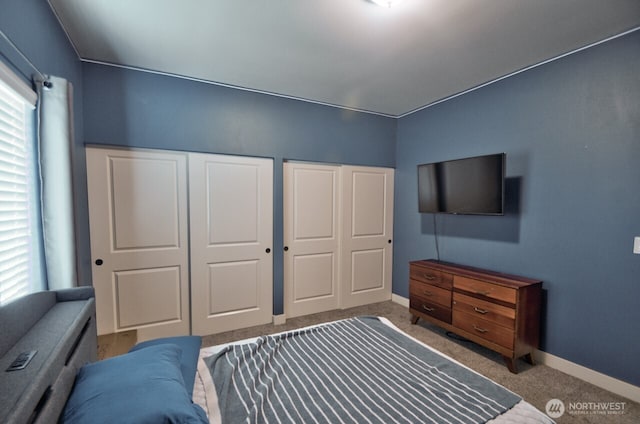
x: 34, y: 29
x: 130, y: 108
x: 571, y: 131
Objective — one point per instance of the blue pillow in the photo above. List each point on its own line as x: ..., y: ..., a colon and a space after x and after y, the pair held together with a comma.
x: 144, y: 386
x: 190, y: 346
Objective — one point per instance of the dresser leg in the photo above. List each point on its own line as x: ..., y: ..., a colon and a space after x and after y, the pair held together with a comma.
x: 414, y: 319
x: 529, y: 358
x: 511, y: 364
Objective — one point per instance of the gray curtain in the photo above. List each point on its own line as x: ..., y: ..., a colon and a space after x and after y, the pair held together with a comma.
x: 55, y: 141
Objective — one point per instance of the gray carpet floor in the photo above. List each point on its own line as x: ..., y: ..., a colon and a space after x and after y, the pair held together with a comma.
x: 537, y: 384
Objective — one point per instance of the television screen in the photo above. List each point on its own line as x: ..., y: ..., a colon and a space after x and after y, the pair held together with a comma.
x: 472, y: 186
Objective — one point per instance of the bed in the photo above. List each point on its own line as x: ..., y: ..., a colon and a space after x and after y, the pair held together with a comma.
x: 361, y: 369
x: 355, y: 370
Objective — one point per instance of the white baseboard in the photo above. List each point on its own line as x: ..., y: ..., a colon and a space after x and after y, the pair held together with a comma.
x: 279, y: 319
x: 596, y: 378
x: 403, y: 301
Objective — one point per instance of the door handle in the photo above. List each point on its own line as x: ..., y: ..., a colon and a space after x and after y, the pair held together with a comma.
x: 99, y: 262
x: 286, y: 248
x: 268, y: 250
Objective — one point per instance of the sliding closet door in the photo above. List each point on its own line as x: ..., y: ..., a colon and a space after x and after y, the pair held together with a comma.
x: 367, y: 235
x: 139, y: 246
x: 231, y: 219
x: 311, y: 236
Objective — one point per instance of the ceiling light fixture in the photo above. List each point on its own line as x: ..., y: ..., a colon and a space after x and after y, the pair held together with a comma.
x: 386, y: 3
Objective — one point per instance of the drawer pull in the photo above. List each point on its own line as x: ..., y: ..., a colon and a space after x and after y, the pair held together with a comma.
x: 429, y: 277
x: 428, y: 293
x: 483, y: 292
x: 428, y: 309
x: 479, y: 329
x: 480, y: 311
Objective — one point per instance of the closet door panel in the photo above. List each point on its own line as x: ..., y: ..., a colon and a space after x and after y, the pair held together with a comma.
x: 233, y: 287
x: 142, y: 188
x: 231, y: 219
x: 367, y: 235
x: 232, y: 200
x: 313, y: 275
x: 312, y: 237
x: 139, y: 240
x: 367, y: 270
x: 148, y: 297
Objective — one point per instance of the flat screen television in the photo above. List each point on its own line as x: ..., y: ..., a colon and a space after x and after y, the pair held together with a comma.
x: 469, y: 186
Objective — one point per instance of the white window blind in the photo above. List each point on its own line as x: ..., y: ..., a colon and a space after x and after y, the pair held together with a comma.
x: 16, y: 194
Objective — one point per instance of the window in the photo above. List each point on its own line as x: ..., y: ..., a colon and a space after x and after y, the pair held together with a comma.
x: 19, y: 251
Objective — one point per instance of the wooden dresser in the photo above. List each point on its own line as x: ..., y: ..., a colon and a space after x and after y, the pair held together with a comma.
x: 498, y: 311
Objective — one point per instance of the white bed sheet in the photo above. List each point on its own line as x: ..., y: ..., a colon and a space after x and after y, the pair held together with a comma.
x: 204, y: 392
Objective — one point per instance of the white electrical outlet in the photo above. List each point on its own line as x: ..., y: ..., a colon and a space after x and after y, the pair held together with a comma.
x: 636, y: 245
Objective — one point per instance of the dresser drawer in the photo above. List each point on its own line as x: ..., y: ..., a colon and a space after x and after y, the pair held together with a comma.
x: 482, y: 288
x: 430, y: 292
x: 488, y: 330
x: 430, y: 308
x: 431, y: 276
x: 493, y: 312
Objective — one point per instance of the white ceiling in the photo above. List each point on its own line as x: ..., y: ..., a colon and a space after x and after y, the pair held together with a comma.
x: 348, y: 53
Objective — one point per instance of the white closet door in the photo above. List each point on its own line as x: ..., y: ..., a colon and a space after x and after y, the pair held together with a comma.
x: 139, y: 245
x: 367, y: 235
x: 311, y: 236
x: 231, y: 219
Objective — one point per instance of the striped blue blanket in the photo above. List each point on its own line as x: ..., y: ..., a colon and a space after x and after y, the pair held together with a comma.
x: 357, y: 370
